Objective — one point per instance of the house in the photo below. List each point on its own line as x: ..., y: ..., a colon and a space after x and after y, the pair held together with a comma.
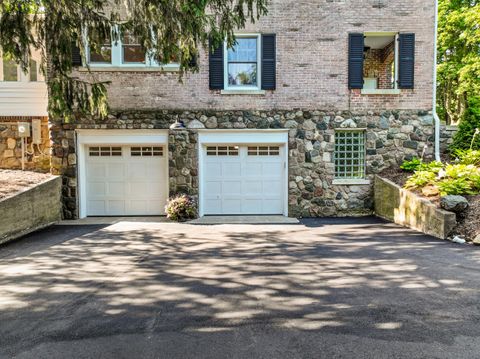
x: 24, y: 134
x: 314, y: 99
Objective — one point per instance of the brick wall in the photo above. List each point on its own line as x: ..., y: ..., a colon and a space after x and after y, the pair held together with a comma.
x: 311, y: 61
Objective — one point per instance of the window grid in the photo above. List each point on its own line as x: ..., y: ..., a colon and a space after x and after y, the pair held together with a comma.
x: 222, y: 151
x: 104, y: 151
x: 264, y: 151
x: 146, y: 151
x: 349, y: 154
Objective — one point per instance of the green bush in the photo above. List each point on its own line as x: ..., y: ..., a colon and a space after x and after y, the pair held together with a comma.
x: 420, y: 179
x: 466, y: 129
x: 460, y: 171
x: 468, y: 157
x: 181, y: 208
x: 412, y: 165
x: 455, y: 186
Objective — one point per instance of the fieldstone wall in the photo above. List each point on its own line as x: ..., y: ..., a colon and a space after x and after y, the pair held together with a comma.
x: 391, y: 136
x: 37, y: 158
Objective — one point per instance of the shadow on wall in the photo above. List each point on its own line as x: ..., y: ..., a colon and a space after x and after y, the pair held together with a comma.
x: 369, y: 279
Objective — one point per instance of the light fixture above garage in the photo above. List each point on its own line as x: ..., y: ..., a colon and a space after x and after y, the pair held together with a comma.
x: 177, y: 125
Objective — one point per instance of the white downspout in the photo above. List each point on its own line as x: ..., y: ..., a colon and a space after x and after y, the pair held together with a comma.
x: 434, y: 109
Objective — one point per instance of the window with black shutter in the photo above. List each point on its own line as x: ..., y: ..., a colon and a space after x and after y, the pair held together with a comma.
x: 249, y: 65
x: 355, y: 61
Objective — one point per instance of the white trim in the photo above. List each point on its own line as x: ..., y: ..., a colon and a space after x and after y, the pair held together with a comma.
x: 238, y: 89
x: 350, y: 182
x: 112, y: 137
x: 380, y: 91
x: 241, y: 137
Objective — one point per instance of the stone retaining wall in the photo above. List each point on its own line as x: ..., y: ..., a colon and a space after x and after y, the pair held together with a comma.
x: 38, y: 158
x: 30, y: 210
x: 391, y: 136
x: 407, y: 209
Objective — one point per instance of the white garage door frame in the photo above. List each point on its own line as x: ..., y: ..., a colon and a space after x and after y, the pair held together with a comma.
x: 241, y: 137
x: 112, y: 137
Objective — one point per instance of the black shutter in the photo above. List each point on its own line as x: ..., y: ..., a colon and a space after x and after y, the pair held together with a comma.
x: 216, y: 68
x: 76, y: 55
x: 406, y: 61
x: 355, y: 61
x: 269, y: 61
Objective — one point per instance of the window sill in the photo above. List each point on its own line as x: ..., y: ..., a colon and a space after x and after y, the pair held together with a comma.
x: 380, y: 92
x: 350, y: 182
x: 243, y: 92
x: 169, y: 68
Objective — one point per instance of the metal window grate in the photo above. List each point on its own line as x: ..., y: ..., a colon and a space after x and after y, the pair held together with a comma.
x: 264, y: 151
x: 146, y: 151
x: 222, y: 150
x: 104, y: 151
x: 349, y: 154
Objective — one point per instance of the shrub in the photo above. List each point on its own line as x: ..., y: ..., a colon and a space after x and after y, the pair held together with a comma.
x: 181, y: 208
x: 420, y: 179
x: 468, y: 157
x: 412, y: 165
x: 434, y: 166
x: 461, y: 171
x: 455, y: 186
x: 464, y: 138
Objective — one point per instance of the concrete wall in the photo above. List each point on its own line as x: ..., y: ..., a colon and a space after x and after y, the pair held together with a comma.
x: 407, y: 209
x: 312, y: 62
x: 30, y: 210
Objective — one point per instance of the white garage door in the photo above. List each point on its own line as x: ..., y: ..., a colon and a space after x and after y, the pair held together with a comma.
x: 126, y: 180
x: 243, y: 179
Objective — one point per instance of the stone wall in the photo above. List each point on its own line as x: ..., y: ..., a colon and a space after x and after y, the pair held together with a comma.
x: 391, y: 136
x: 30, y: 210
x: 407, y: 209
x: 36, y: 158
x: 446, y: 137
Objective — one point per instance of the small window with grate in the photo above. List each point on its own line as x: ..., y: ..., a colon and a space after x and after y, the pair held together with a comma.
x: 222, y: 150
x: 263, y: 151
x: 349, y: 154
x: 148, y: 151
x: 104, y: 151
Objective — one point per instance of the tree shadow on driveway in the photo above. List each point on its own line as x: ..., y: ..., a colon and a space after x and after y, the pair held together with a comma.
x: 324, y: 286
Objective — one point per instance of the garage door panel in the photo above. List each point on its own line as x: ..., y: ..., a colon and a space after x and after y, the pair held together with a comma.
x: 126, y: 185
x: 246, y: 183
x: 115, y: 170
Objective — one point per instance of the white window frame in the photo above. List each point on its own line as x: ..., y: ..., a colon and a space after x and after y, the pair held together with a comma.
x: 21, y: 76
x: 395, y: 90
x: 247, y: 88
x: 117, y: 59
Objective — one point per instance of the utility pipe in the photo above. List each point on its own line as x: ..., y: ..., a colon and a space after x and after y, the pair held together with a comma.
x: 434, y: 108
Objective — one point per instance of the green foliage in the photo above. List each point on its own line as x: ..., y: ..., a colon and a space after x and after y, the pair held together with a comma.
x: 173, y: 29
x: 466, y: 136
x: 461, y: 171
x: 455, y: 186
x: 420, y: 179
x: 412, y: 165
x: 181, y: 208
x: 468, y: 157
x: 458, y: 57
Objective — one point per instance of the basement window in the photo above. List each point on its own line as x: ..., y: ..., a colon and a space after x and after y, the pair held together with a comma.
x: 350, y: 154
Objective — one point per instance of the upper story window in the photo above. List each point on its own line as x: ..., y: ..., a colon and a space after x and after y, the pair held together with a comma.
x: 381, y: 62
x: 10, y: 71
x: 126, y: 52
x: 242, y: 63
x: 249, y: 67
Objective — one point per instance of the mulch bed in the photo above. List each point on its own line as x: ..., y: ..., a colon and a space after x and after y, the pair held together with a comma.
x: 14, y: 181
x: 468, y: 222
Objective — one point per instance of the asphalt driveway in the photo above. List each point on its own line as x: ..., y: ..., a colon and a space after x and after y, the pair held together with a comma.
x: 320, y: 289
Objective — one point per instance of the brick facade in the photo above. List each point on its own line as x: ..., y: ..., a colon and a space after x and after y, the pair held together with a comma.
x: 312, y: 69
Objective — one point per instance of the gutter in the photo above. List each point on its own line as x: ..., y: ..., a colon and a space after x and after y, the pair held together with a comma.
x: 434, y: 106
